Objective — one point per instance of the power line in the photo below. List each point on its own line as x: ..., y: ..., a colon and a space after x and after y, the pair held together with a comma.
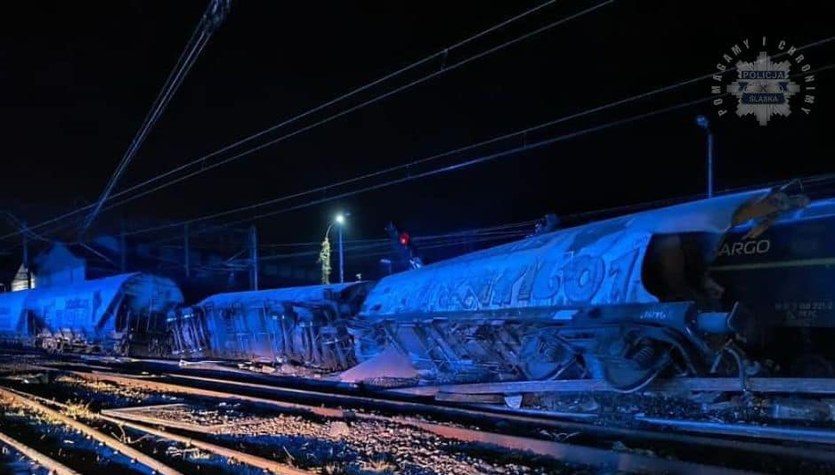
x: 202, y: 160
x: 206, y: 168
x: 422, y: 238
x: 448, y: 168
x: 516, y: 134
x: 489, y: 157
x: 434, y: 245
x: 210, y: 20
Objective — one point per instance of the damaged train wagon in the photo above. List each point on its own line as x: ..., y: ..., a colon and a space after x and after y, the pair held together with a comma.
x: 301, y: 325
x: 123, y: 315
x: 624, y: 300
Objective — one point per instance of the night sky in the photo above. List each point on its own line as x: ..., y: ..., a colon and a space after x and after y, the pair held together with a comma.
x: 77, y: 78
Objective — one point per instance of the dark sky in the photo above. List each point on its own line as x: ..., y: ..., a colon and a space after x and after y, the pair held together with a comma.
x: 77, y: 78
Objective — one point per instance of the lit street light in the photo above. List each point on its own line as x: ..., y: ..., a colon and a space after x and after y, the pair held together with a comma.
x: 340, y: 220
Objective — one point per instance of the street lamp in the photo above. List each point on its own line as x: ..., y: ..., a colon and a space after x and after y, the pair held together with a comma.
x: 340, y: 221
x: 704, y: 123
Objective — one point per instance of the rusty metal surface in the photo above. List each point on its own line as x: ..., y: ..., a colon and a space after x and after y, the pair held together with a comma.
x: 597, y: 263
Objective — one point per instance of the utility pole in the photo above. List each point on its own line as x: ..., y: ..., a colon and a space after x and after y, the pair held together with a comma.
x: 253, y: 255
x: 26, y: 257
x: 710, y: 164
x: 25, y: 248
x: 123, y: 248
x: 186, y: 252
x: 704, y: 123
x: 341, y: 258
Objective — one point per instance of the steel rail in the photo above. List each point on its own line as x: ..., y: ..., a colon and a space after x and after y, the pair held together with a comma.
x: 248, y: 459
x: 43, y: 460
x: 564, y: 452
x: 236, y: 392
x: 114, y: 444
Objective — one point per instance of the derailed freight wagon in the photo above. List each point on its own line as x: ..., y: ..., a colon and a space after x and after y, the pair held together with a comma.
x: 622, y: 299
x: 786, y: 277
x: 303, y: 325
x: 123, y: 315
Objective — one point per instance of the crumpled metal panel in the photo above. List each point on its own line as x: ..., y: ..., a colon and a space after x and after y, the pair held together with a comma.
x: 596, y: 263
x: 311, y: 293
x: 302, y: 324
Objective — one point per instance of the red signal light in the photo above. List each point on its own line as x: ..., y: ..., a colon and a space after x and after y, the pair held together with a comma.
x: 404, y: 239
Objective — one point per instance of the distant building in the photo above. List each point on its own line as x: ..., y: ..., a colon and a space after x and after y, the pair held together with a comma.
x: 23, y: 280
x: 59, y: 266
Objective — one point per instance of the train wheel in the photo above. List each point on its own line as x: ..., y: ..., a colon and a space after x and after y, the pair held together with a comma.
x: 543, y: 357
x: 637, y: 369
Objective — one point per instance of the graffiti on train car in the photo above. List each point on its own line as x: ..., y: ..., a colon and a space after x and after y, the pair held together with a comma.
x: 566, y: 268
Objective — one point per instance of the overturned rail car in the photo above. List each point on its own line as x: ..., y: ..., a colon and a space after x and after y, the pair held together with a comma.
x: 302, y: 325
x: 123, y: 315
x: 785, y: 276
x: 623, y: 299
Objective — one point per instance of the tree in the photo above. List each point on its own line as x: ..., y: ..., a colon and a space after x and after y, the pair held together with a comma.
x: 325, y: 260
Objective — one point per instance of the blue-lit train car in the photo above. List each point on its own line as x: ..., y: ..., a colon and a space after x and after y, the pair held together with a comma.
x: 123, y: 314
x: 304, y: 325
x: 786, y: 277
x: 13, y: 318
x: 623, y: 299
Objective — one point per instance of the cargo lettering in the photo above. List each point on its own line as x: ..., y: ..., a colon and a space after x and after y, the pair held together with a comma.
x: 748, y: 248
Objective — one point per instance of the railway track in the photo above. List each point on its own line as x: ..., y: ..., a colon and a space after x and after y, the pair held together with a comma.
x: 551, y: 441
x: 29, y: 460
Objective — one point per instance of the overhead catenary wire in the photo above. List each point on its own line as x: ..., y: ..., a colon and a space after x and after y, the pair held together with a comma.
x: 820, y: 179
x: 201, y: 162
x: 204, y: 168
x: 444, y: 169
x: 199, y: 38
x: 385, y: 248
x: 464, y: 232
x: 512, y: 135
x: 345, y: 96
x: 500, y: 231
x: 517, y: 133
x: 489, y: 157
